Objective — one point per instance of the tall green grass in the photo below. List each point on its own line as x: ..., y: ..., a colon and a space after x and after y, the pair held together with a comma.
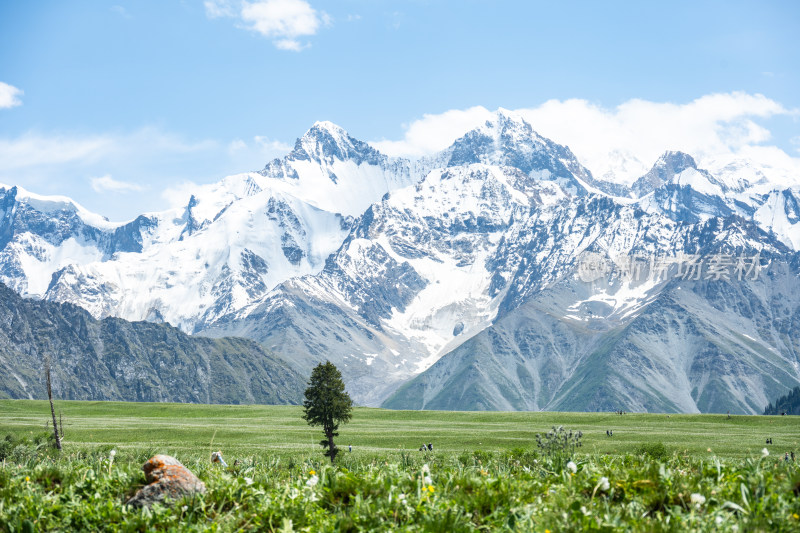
x: 486, y: 473
x: 181, y: 428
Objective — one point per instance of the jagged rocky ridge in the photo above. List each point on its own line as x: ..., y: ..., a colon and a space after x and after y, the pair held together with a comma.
x: 113, y: 359
x: 395, y: 269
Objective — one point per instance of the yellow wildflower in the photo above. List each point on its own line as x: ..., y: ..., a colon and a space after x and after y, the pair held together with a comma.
x: 431, y: 489
x: 796, y: 516
x: 312, y: 472
x: 27, y: 478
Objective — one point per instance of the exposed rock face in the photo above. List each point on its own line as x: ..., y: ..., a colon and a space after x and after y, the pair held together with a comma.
x: 168, y: 480
x: 113, y: 359
x: 465, y: 270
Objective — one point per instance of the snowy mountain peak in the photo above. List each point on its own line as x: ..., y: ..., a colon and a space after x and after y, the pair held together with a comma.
x: 676, y: 161
x: 508, y: 127
x: 325, y: 142
x: 508, y: 140
x: 327, y: 127
x: 664, y: 170
x: 54, y: 204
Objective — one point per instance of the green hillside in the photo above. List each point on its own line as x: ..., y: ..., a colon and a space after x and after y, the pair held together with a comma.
x: 113, y: 359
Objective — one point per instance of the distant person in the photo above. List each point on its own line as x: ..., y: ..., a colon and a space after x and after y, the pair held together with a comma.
x: 786, y: 457
x: 430, y: 447
x: 351, y: 448
x: 792, y: 456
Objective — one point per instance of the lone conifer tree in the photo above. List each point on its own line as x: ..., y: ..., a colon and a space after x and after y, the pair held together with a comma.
x: 327, y: 404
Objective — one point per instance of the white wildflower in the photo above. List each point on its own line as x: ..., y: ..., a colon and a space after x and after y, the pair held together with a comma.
x: 764, y: 452
x: 604, y: 484
x: 572, y: 467
x: 248, y: 481
x: 111, y: 455
x: 427, y: 481
x: 312, y: 481
x: 718, y: 520
x: 697, y: 499
x: 401, y: 497
x: 426, y: 469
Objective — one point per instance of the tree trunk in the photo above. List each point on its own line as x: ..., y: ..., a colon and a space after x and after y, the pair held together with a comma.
x: 50, y: 397
x: 331, y: 446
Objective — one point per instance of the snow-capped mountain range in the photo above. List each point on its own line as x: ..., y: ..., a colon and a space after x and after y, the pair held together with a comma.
x: 456, y: 281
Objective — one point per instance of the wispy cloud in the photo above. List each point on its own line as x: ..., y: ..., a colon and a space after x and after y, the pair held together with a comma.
x: 89, y: 167
x: 220, y: 8
x: 9, y: 96
x: 108, y: 184
x: 626, y: 140
x: 258, y: 151
x: 271, y: 145
x: 178, y: 194
x: 434, y: 132
x: 285, y: 22
x: 41, y: 150
x: 81, y: 166
x: 796, y: 143
x: 121, y: 11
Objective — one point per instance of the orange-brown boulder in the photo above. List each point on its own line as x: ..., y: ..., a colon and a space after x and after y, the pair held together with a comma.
x: 168, y: 480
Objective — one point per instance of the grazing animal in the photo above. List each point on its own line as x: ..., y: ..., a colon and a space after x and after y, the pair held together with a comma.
x: 216, y: 457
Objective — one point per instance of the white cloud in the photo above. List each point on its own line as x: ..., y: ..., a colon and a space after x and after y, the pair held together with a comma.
x: 121, y: 11
x: 9, y: 96
x: 220, y: 8
x: 178, y: 194
x: 290, y: 44
x: 283, y: 21
x: 33, y: 149
x: 108, y: 184
x: 795, y: 141
x: 256, y: 153
x: 432, y: 133
x: 65, y: 163
x: 41, y: 150
x: 625, y: 141
x: 271, y: 145
x: 236, y: 145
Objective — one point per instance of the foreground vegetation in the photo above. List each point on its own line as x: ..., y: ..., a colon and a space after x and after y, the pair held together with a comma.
x: 486, y: 471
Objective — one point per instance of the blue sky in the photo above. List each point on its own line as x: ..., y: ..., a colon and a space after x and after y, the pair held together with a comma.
x: 111, y: 103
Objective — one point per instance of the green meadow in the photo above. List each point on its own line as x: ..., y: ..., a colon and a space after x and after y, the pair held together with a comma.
x: 256, y: 429
x: 486, y: 473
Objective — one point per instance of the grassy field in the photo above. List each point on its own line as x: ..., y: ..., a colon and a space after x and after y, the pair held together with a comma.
x: 486, y: 472
x: 252, y: 429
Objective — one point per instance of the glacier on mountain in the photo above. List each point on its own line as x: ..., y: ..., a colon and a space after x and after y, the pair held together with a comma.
x: 452, y: 281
